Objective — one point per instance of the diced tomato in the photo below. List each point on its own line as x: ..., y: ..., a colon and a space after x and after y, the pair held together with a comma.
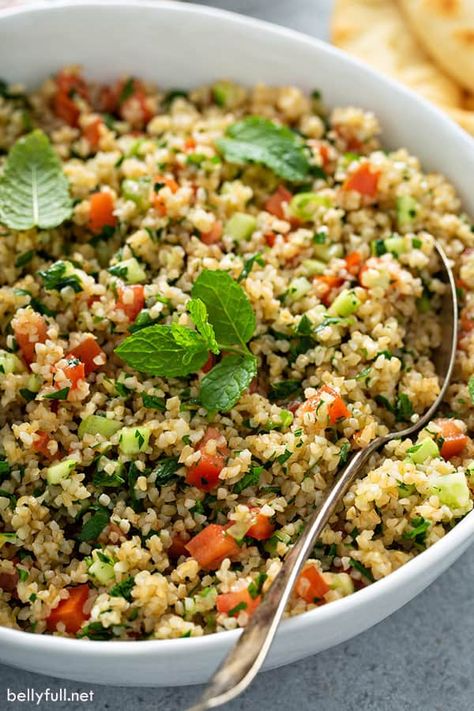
x: 190, y: 144
x: 330, y: 283
x: 270, y: 238
x: 211, y: 546
x: 70, y: 612
x: 467, y: 323
x: 68, y: 86
x: 454, y: 439
x: 364, y: 180
x: 29, y: 330
x: 274, y: 204
x: 205, y: 473
x: 232, y: 603
x: 311, y: 585
x: 353, y: 263
x: 74, y: 370
x: 131, y: 300
x: 177, y: 547
x: 40, y: 444
x: 209, y: 364
x: 134, y: 108
x: 87, y: 351
x: 92, y: 132
x: 324, y: 153
x: 157, y: 199
x: 108, y: 99
x: 214, y: 235
x: 337, y: 408
x: 262, y: 528
x: 293, y: 406
x: 101, y: 212
x: 9, y: 581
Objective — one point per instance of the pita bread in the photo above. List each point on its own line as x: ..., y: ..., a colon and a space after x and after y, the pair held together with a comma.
x: 445, y: 29
x: 376, y: 32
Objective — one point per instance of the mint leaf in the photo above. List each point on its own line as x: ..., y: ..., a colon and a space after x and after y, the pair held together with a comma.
x: 258, y: 140
x: 34, y: 192
x: 187, y: 338
x: 198, y: 311
x: 154, y: 350
x: 222, y: 387
x: 228, y: 307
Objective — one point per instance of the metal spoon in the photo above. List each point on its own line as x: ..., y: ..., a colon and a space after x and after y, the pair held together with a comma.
x: 246, y: 658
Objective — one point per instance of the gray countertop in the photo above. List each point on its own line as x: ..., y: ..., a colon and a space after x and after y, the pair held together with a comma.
x: 420, y: 658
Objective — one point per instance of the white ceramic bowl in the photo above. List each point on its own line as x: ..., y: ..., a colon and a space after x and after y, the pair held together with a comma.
x: 180, y: 45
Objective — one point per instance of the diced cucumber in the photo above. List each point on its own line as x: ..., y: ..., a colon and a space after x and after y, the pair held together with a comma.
x: 130, y: 270
x: 97, y: 424
x: 101, y: 571
x: 34, y: 383
x: 57, y: 472
x: 304, y: 205
x: 407, y: 208
x: 427, y: 449
x: 227, y: 94
x: 313, y: 267
x: 134, y: 440
x: 345, y: 304
x: 396, y: 245
x: 271, y: 544
x: 10, y: 363
x: 298, y: 288
x: 8, y: 537
x: 375, y: 277
x: 341, y: 582
x: 138, y: 191
x: 452, y: 490
x: 240, y: 226
x: 328, y: 251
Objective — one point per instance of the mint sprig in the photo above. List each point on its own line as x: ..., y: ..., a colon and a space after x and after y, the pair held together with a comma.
x: 34, y: 192
x: 224, y: 320
x: 258, y: 140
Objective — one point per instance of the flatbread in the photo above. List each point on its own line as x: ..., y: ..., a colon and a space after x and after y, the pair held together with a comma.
x: 445, y: 29
x: 376, y: 31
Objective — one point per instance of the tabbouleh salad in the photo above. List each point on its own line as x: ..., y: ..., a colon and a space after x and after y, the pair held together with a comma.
x: 208, y: 300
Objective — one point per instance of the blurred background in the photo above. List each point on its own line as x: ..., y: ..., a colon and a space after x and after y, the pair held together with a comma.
x: 421, y: 657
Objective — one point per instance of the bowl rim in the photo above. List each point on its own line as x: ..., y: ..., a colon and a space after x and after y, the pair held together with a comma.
x: 396, y: 580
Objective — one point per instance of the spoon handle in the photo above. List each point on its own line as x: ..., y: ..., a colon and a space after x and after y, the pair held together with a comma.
x: 246, y: 658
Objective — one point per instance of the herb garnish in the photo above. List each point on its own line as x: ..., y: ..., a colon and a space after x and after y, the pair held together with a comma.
x: 94, y: 526
x: 224, y: 319
x: 418, y: 531
x: 59, y: 275
x: 34, y: 191
x: 283, y: 389
x: 165, y: 471
x: 250, y: 479
x: 123, y: 589
x: 258, y: 140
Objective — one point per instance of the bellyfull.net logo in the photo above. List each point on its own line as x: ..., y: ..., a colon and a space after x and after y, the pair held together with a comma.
x: 53, y: 696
